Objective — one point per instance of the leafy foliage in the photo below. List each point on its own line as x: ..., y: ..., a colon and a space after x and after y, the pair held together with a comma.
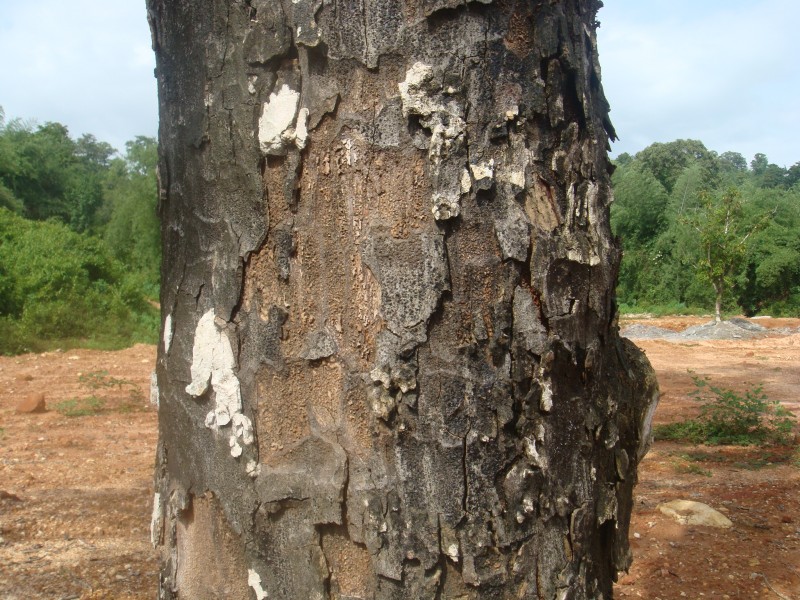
x: 58, y: 284
x: 80, y: 407
x: 722, y: 236
x: 699, y: 228
x: 727, y: 417
x: 79, y: 238
x: 131, y: 228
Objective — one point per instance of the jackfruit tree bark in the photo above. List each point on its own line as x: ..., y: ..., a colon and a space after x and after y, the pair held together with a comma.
x: 390, y: 366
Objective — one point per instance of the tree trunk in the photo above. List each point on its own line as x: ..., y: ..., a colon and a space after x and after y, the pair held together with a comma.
x: 718, y: 287
x: 390, y: 365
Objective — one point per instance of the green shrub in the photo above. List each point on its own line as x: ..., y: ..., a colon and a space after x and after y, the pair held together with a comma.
x: 727, y: 417
x: 58, y: 287
x: 661, y: 310
x: 80, y: 407
x: 95, y: 382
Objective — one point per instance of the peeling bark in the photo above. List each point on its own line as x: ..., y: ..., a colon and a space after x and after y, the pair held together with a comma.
x: 390, y: 363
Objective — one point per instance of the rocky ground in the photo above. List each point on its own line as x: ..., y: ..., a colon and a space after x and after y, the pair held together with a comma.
x: 76, y: 486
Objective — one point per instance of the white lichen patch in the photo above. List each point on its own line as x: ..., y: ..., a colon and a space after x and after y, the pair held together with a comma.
x: 155, y: 393
x: 445, y: 206
x: 466, y: 182
x: 515, y: 178
x: 280, y: 124
x: 167, y: 333
x: 350, y: 153
x: 243, y: 428
x: 213, y: 363
x: 253, y: 468
x: 587, y: 258
x: 301, y: 128
x: 156, y: 520
x: 483, y: 171
x: 382, y: 403
x: 452, y: 552
x: 254, y: 581
x: 443, y: 116
x: 527, y: 505
x: 414, y: 98
x: 546, y: 401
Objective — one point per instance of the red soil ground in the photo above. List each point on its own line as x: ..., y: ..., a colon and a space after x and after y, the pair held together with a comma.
x: 76, y: 492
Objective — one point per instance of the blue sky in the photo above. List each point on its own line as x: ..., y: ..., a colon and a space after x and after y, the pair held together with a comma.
x: 726, y: 72
x: 84, y: 63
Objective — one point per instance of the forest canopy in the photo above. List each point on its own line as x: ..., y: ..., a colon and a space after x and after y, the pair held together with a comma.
x: 79, y: 239
x: 692, y: 220
x: 80, y: 245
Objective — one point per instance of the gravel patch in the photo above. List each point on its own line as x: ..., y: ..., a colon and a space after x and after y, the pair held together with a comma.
x: 733, y: 329
x: 637, y: 331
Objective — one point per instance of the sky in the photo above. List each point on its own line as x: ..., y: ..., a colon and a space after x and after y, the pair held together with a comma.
x: 85, y: 63
x: 726, y: 72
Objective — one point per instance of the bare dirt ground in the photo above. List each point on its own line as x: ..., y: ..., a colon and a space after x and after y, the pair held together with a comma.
x: 76, y: 491
x: 757, y: 489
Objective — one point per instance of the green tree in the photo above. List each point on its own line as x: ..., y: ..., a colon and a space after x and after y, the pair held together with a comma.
x: 774, y: 176
x: 9, y: 168
x: 667, y: 161
x: 793, y: 175
x: 640, y: 200
x: 771, y: 275
x: 732, y: 161
x: 96, y: 155
x: 659, y: 249
x: 131, y: 226
x: 723, y: 236
x: 659, y: 197
x: 759, y: 163
x: 44, y: 174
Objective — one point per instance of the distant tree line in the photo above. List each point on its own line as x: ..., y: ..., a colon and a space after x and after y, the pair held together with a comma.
x: 80, y: 245
x: 700, y: 228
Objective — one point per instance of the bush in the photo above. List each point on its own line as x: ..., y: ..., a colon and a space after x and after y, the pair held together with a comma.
x: 727, y: 417
x: 58, y: 285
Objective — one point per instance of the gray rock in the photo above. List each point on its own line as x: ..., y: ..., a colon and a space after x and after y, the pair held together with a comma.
x: 688, y: 512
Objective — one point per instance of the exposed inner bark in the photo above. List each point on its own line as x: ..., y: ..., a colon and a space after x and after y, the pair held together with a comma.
x: 395, y: 367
